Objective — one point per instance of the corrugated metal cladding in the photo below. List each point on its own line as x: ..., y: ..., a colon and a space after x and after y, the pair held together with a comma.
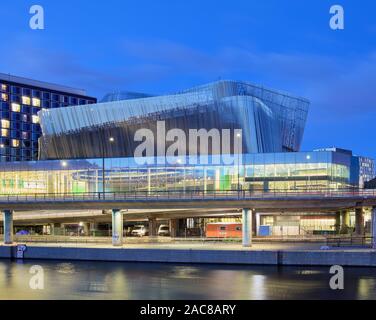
x: 272, y: 121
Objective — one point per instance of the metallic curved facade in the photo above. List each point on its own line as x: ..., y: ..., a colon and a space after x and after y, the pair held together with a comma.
x: 271, y: 121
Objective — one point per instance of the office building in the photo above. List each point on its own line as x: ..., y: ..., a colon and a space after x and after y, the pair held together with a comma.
x: 21, y: 100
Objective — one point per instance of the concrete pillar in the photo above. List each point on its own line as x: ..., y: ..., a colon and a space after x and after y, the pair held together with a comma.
x: 8, y: 226
x: 117, y: 228
x: 373, y: 227
x: 359, y: 221
x: 345, y: 221
x: 93, y: 229
x: 57, y: 229
x: 52, y: 229
x: 258, y: 219
x: 338, y: 222
x: 247, y: 227
x: 173, y: 228
x: 86, y: 229
x: 255, y: 223
x: 152, y: 227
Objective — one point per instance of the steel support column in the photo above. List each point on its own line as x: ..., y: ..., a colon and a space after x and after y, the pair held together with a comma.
x: 345, y: 222
x: 338, y: 222
x: 117, y: 227
x: 8, y: 226
x: 247, y: 227
x: 359, y: 221
x: 152, y: 227
x: 374, y: 227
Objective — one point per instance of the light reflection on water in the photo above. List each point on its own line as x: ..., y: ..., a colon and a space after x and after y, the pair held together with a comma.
x: 104, y: 280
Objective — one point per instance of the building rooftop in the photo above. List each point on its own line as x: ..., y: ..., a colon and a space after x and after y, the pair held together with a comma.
x: 124, y: 95
x: 42, y: 84
x: 334, y: 149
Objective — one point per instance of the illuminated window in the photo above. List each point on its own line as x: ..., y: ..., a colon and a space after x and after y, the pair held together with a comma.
x: 26, y: 100
x: 5, y: 123
x: 4, y: 97
x: 36, y: 102
x: 4, y: 87
x: 4, y: 132
x: 15, y: 143
x: 35, y: 119
x: 16, y: 107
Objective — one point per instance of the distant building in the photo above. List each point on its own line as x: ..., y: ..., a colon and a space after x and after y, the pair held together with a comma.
x: 362, y: 168
x: 20, y: 101
x: 366, y: 168
x: 370, y: 184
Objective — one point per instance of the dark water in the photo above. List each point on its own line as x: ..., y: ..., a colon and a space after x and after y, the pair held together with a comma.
x: 97, y: 280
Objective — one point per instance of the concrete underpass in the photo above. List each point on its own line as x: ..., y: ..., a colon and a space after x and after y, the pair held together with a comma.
x: 185, y: 223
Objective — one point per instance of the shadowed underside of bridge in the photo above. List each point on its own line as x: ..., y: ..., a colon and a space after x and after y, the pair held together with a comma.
x: 194, y: 205
x: 282, y: 204
x: 65, y: 216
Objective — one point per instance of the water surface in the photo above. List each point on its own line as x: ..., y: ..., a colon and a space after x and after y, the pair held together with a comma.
x: 108, y: 280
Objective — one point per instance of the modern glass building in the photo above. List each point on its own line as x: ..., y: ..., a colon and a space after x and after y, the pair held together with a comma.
x: 20, y: 101
x: 300, y: 171
x: 270, y: 120
x: 90, y: 148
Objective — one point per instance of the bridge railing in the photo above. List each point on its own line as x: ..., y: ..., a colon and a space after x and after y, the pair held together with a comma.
x: 349, y: 241
x: 188, y: 195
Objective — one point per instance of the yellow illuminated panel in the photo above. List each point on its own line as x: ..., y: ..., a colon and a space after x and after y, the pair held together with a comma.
x: 4, y: 87
x: 35, y: 119
x: 36, y: 102
x: 4, y: 132
x: 15, y: 143
x: 16, y: 107
x: 26, y: 100
x: 5, y: 123
x: 4, y: 97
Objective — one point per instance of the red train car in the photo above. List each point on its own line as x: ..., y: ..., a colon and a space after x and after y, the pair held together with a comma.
x: 224, y: 230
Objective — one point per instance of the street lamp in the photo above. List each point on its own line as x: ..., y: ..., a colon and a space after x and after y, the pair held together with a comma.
x: 238, y: 136
x: 111, y: 140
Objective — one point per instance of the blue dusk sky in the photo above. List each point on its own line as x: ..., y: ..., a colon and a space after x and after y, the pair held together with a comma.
x: 163, y: 46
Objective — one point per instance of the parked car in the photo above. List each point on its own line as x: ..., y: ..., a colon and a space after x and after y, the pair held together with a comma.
x: 140, y: 231
x: 164, y: 230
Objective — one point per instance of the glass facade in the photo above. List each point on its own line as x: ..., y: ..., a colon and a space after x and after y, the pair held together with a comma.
x: 366, y: 167
x: 20, y: 101
x: 258, y: 172
x: 271, y: 121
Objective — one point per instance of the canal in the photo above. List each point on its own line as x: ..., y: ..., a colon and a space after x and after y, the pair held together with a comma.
x: 104, y: 280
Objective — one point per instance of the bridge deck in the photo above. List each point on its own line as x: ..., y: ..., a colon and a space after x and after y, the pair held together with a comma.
x: 318, y: 200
